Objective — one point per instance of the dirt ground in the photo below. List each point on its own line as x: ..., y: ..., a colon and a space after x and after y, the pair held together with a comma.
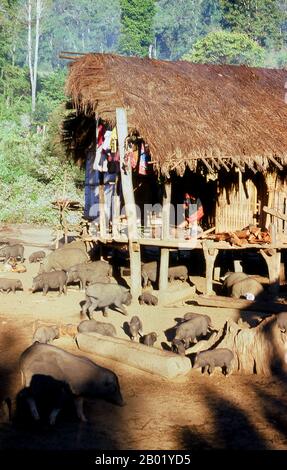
x: 194, y: 412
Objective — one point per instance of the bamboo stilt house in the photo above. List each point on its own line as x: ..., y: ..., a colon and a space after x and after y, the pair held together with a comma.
x: 220, y: 128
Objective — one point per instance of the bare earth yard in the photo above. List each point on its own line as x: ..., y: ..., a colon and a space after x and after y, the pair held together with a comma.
x: 195, y: 412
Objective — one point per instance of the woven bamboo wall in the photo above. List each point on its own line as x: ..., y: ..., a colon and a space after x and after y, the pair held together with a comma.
x: 236, y: 207
x: 280, y: 203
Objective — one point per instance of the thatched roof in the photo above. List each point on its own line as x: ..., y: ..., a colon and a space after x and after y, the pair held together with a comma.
x: 220, y: 114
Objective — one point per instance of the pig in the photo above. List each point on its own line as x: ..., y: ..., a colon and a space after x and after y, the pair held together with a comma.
x: 86, y: 276
x: 9, y: 241
x: 102, y: 268
x: 150, y: 339
x: 63, y: 259
x: 148, y: 298
x: 5, y: 410
x: 44, y: 398
x: 230, y: 279
x: 177, y: 347
x: 79, y: 244
x: 101, y: 296
x: 85, y: 379
x: 37, y: 256
x: 12, y: 251
x: 135, y: 327
x: 52, y: 280
x: 281, y: 320
x: 10, y: 285
x: 46, y: 334
x: 98, y: 271
x: 191, y: 315
x: 189, y: 331
x: 149, y: 273
x: 246, y: 286
x: 178, y: 272
x: 209, y: 359
x: 106, y: 329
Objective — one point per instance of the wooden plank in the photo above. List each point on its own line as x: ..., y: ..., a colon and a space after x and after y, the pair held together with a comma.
x: 187, y: 244
x: 275, y: 213
x: 275, y: 162
x: 164, y: 252
x: 207, y: 165
x: 70, y: 57
x: 155, y: 361
x: 129, y: 200
x: 239, y: 164
x: 206, y: 232
x: 217, y: 301
x: 229, y: 312
x: 74, y: 53
x: 223, y: 164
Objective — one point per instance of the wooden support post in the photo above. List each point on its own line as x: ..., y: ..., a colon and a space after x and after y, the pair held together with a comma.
x: 210, y: 255
x: 237, y: 266
x: 58, y: 236
x: 101, y: 251
x: 270, y: 180
x: 282, y: 277
x: 116, y: 211
x: 273, y: 233
x: 164, y: 253
x: 273, y: 261
x: 129, y: 200
x: 216, y: 275
x: 103, y: 232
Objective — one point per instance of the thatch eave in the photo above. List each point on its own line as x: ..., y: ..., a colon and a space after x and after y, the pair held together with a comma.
x: 188, y: 112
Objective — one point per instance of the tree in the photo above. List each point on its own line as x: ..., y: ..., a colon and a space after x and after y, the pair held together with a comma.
x: 223, y: 47
x: 262, y: 20
x: 177, y: 26
x: 137, y: 32
x: 38, y: 6
x: 210, y: 17
x: 50, y: 94
x: 9, y: 28
x: 79, y: 26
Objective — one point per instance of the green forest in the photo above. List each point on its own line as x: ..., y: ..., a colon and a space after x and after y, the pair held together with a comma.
x: 33, y: 33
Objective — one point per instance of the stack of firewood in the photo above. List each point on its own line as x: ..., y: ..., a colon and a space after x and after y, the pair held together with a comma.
x: 250, y: 234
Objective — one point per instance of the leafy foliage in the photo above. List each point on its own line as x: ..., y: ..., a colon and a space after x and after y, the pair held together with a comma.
x: 179, y: 23
x: 262, y: 20
x: 31, y: 178
x: 32, y: 160
x: 79, y: 26
x: 136, y: 26
x: 222, y: 47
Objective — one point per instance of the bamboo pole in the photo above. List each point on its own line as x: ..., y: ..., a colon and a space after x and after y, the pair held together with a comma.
x: 164, y: 253
x: 116, y: 211
x: 129, y: 200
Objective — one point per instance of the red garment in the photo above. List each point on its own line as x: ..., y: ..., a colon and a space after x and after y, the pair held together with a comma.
x: 193, y: 209
x: 101, y: 134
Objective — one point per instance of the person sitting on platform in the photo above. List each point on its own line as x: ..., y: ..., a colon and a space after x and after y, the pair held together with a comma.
x: 193, y: 214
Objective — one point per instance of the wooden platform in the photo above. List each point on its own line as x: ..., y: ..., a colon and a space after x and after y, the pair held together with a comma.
x: 217, y: 301
x: 176, y: 243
